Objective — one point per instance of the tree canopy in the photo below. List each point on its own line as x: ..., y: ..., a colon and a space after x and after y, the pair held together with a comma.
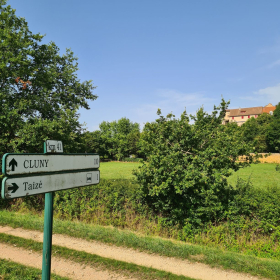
x: 39, y: 87
x: 114, y: 140
x: 276, y: 113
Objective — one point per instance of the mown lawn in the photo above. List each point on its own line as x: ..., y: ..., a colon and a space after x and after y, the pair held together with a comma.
x: 117, y: 170
x: 261, y: 175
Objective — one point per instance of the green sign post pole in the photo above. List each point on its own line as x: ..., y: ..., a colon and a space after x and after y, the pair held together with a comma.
x: 47, y: 241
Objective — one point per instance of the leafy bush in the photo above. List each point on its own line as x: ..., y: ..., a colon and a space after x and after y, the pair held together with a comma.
x: 107, y: 203
x: 185, y: 175
x: 256, y: 204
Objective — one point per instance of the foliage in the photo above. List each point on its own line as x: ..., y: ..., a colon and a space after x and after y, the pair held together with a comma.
x: 39, y: 88
x: 114, y: 140
x: 91, y: 142
x: 276, y: 113
x: 273, y: 132
x: 250, y: 224
x: 255, y: 131
x: 185, y: 175
x: 273, y: 136
x: 105, y: 203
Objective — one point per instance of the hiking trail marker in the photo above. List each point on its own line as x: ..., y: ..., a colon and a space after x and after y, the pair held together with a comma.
x: 32, y: 174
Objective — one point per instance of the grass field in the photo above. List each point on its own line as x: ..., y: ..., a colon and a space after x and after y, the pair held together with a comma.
x: 261, y: 175
x: 117, y: 170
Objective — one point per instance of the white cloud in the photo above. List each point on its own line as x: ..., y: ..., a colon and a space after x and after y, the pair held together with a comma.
x: 270, y: 49
x: 273, y: 64
x: 169, y: 100
x: 176, y: 98
x: 269, y: 94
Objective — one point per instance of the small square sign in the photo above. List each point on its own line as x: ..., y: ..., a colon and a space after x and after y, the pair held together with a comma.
x: 53, y: 146
x: 89, y: 177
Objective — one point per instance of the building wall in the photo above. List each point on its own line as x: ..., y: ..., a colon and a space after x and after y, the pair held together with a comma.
x: 241, y: 119
x: 239, y: 115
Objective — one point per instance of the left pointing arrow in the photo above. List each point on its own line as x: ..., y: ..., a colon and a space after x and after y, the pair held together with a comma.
x: 14, y: 188
x: 13, y: 163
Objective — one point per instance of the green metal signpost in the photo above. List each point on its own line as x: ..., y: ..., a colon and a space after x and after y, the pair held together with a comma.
x: 31, y: 174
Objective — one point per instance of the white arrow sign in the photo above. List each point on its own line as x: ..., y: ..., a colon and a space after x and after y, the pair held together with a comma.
x: 25, y: 186
x: 24, y: 164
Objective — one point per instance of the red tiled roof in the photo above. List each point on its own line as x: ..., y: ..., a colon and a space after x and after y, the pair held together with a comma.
x: 268, y: 109
x: 246, y: 111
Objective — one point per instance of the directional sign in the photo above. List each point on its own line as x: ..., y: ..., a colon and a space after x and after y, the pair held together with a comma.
x: 25, y: 164
x: 25, y: 186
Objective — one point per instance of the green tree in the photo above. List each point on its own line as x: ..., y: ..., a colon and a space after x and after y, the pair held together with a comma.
x: 276, y: 113
x: 273, y: 136
x: 273, y: 132
x: 119, y: 139
x: 255, y: 131
x: 185, y: 175
x: 91, y: 142
x: 40, y: 92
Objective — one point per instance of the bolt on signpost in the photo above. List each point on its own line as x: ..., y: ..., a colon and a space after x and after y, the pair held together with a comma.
x: 31, y: 174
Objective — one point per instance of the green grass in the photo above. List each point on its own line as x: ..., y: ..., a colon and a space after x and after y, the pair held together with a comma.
x: 129, y: 269
x: 117, y: 170
x: 212, y: 256
x: 14, y: 271
x: 261, y: 175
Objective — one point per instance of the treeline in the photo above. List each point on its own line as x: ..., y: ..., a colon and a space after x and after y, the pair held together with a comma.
x: 119, y: 140
x: 114, y: 140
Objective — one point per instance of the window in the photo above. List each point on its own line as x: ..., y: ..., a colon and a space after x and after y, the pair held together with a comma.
x: 242, y: 117
x: 232, y: 118
x: 256, y: 116
x: 249, y: 117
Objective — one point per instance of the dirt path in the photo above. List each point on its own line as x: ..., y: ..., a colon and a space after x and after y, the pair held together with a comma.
x: 61, y: 267
x: 173, y: 265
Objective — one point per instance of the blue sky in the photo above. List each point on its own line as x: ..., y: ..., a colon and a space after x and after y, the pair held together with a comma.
x: 150, y: 54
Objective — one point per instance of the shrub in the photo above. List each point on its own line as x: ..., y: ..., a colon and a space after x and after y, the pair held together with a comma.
x: 185, y: 175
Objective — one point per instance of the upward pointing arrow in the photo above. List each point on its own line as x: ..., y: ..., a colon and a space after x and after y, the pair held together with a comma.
x: 13, y: 163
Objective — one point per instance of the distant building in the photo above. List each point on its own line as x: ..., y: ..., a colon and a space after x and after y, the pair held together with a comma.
x: 241, y: 115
